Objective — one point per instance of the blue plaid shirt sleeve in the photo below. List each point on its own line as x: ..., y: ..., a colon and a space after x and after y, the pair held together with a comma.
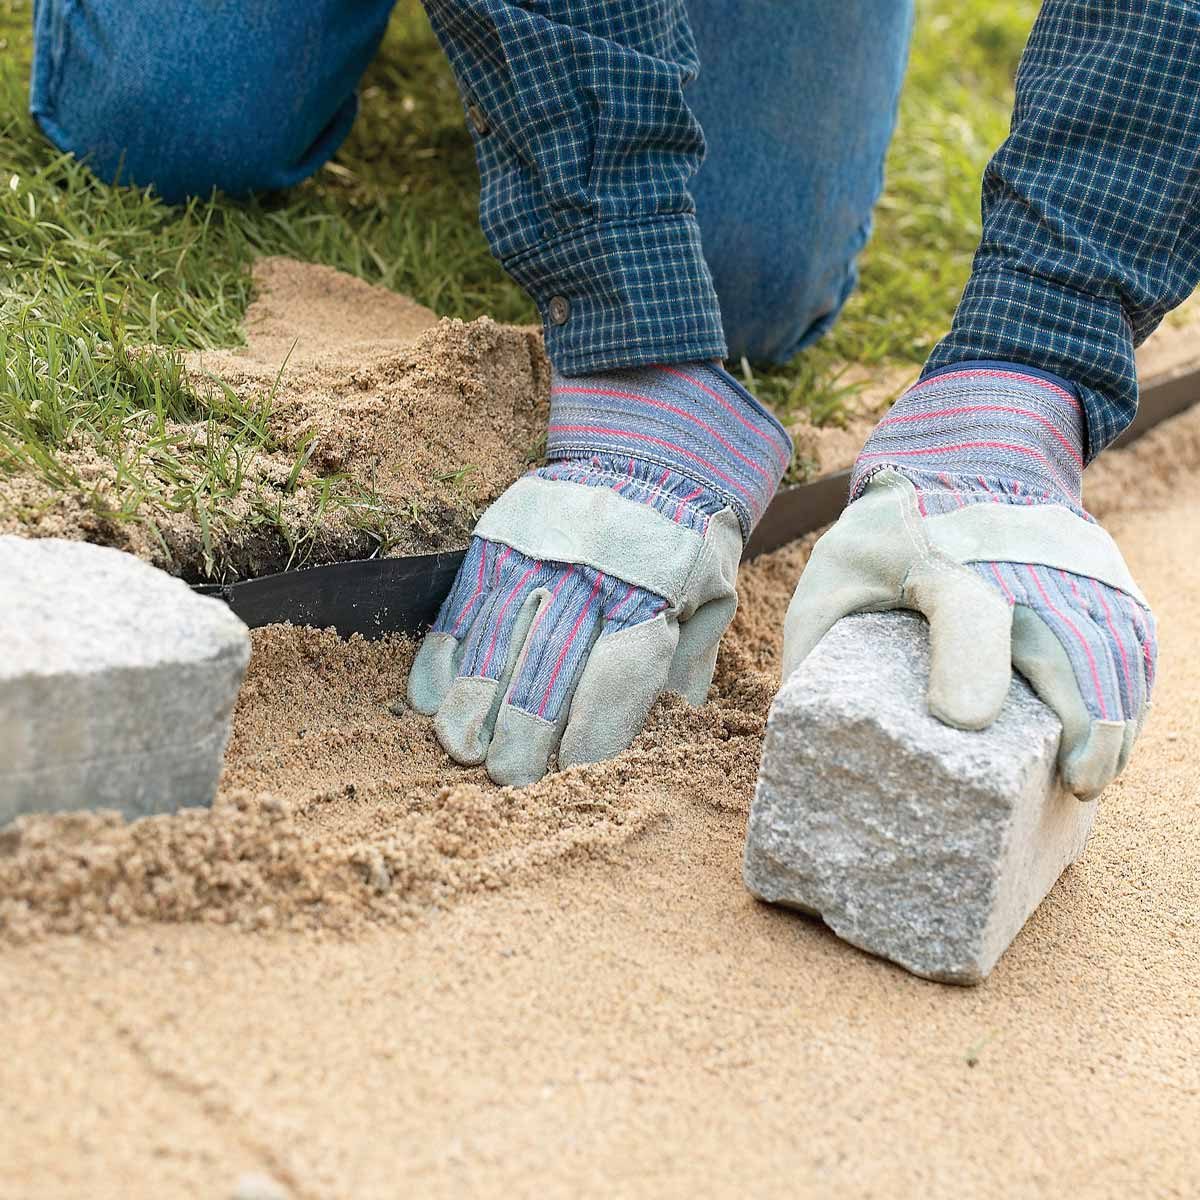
x: 586, y: 147
x: 1091, y: 207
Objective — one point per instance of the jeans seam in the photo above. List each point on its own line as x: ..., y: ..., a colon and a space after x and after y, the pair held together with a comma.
x: 58, y: 23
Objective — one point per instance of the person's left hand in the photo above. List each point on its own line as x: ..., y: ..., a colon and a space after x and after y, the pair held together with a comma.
x: 604, y: 578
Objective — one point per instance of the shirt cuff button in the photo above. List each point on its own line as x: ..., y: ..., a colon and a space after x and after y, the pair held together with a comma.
x: 478, y: 120
x: 559, y: 309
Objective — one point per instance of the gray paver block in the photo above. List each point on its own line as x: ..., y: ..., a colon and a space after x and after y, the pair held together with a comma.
x: 117, y: 682
x: 926, y: 845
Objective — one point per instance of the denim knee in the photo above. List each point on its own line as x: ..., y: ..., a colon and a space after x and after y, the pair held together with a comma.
x: 186, y: 150
x: 797, y: 110
x: 219, y: 96
x: 779, y: 296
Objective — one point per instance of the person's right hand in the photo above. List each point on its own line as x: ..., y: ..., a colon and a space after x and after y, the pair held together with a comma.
x: 604, y: 578
x: 966, y: 507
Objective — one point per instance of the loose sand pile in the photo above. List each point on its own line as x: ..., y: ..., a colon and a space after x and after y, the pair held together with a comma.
x: 338, y: 807
x: 371, y: 387
x: 620, y: 1019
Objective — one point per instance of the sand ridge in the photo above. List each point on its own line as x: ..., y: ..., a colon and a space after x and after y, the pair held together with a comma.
x: 337, y: 806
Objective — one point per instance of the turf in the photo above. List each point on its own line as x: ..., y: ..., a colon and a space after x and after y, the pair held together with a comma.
x: 88, y: 271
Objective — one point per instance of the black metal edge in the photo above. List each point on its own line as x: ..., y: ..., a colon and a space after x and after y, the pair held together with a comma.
x: 370, y: 596
x: 376, y: 596
x: 798, y: 510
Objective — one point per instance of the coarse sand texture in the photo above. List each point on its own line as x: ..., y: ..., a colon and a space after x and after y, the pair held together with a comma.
x: 368, y: 973
x: 567, y: 991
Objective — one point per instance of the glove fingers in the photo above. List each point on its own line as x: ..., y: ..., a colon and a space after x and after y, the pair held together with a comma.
x: 1142, y: 620
x: 970, y: 642
x: 467, y: 714
x: 625, y: 673
x: 522, y: 746
x: 477, y: 578
x: 1084, y: 639
x: 464, y: 720
x: 1127, y: 651
x: 1098, y: 640
x: 1091, y: 750
x: 1093, y: 767
x: 440, y: 655
x: 830, y: 588
x: 1133, y: 730
x: 534, y: 709
x: 1040, y: 657
x: 857, y: 566
x: 433, y: 672
x: 695, y: 658
x: 1102, y: 604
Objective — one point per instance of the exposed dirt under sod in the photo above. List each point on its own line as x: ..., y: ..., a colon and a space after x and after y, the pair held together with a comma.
x: 366, y: 389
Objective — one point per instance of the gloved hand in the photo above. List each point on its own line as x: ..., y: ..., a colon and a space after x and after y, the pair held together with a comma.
x: 966, y: 506
x: 605, y: 577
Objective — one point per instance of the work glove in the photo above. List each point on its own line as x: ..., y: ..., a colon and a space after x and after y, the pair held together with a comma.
x: 966, y: 506
x: 604, y: 578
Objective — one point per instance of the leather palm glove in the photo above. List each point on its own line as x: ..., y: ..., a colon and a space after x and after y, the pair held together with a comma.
x: 966, y: 506
x: 604, y: 578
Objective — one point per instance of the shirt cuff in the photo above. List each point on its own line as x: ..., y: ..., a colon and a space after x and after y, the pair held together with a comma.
x: 1020, y: 318
x: 624, y: 294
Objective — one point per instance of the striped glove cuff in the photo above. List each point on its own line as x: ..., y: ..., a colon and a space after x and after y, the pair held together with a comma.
x: 982, y: 426
x: 679, y: 435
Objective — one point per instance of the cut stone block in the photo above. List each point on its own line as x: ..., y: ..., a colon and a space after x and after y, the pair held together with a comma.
x: 927, y: 845
x: 117, y: 682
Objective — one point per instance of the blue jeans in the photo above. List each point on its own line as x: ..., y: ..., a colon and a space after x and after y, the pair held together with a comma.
x: 796, y: 98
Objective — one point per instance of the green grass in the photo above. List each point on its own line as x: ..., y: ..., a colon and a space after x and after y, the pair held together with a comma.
x: 87, y: 271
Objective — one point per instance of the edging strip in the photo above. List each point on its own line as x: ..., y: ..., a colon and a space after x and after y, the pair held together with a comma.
x: 376, y: 596
x: 371, y: 596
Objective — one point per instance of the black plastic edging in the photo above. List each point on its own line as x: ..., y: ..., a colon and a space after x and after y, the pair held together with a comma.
x: 375, y: 596
x: 798, y: 510
x: 371, y: 596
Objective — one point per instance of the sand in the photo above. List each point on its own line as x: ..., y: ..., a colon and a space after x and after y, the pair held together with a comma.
x: 338, y: 807
x: 368, y: 973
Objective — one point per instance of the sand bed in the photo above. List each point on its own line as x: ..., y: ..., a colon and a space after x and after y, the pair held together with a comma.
x: 368, y: 973
x: 338, y: 807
